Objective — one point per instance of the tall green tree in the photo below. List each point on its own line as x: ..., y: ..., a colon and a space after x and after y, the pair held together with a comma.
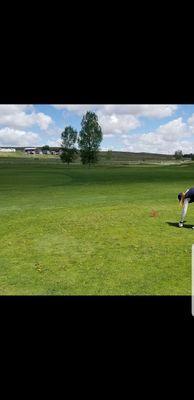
x: 46, y: 147
x: 90, y: 138
x: 69, y: 151
x: 178, y: 154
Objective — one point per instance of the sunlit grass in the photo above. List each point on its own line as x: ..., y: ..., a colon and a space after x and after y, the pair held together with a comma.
x: 105, y: 230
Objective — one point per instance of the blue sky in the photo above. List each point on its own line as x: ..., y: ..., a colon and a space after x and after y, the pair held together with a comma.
x: 150, y: 128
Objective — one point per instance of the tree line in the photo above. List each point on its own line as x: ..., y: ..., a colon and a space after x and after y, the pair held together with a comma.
x: 178, y: 155
x: 88, y: 140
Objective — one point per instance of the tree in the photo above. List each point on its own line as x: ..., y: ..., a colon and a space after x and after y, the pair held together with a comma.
x: 178, y: 154
x: 69, y: 151
x: 90, y: 138
x: 46, y: 147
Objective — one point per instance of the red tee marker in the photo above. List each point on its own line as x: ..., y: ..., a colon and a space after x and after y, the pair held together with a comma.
x: 154, y: 213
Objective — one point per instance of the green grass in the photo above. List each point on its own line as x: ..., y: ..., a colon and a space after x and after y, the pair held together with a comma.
x: 81, y: 231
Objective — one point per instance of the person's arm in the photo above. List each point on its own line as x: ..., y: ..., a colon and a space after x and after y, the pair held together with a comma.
x: 184, y: 210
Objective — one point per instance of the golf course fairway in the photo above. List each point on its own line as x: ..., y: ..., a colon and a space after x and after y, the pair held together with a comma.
x: 94, y: 231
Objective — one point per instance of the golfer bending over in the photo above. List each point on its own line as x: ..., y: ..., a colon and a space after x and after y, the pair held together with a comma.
x: 184, y: 199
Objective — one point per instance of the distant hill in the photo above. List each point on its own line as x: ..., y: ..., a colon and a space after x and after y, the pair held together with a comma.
x: 113, y: 156
x: 130, y: 156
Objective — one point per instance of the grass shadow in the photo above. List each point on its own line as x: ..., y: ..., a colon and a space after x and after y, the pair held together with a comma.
x: 175, y: 224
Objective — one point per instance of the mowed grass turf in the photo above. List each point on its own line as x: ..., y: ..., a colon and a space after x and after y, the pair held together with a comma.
x: 81, y: 231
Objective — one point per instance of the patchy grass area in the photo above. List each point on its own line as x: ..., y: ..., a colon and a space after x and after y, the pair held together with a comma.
x: 21, y: 157
x: 98, y: 231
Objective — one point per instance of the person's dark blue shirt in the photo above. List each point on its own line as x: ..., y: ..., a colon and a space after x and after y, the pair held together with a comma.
x: 190, y: 195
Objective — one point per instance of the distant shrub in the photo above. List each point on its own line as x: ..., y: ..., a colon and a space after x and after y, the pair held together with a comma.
x: 109, y: 155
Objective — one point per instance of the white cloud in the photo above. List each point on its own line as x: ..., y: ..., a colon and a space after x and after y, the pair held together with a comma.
x: 108, y: 136
x: 166, y: 139
x: 14, y: 108
x: 146, y: 110
x: 54, y: 143
x: 78, y: 109
x: 18, y: 116
x: 139, y: 110
x: 112, y: 123
x: 116, y: 121
x: 15, y: 137
x: 42, y: 120
x: 174, y: 129
x: 117, y: 124
x: 191, y: 123
x: 119, y: 119
x: 54, y: 131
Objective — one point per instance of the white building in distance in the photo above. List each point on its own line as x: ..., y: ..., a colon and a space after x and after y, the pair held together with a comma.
x: 7, y: 150
x: 30, y: 150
